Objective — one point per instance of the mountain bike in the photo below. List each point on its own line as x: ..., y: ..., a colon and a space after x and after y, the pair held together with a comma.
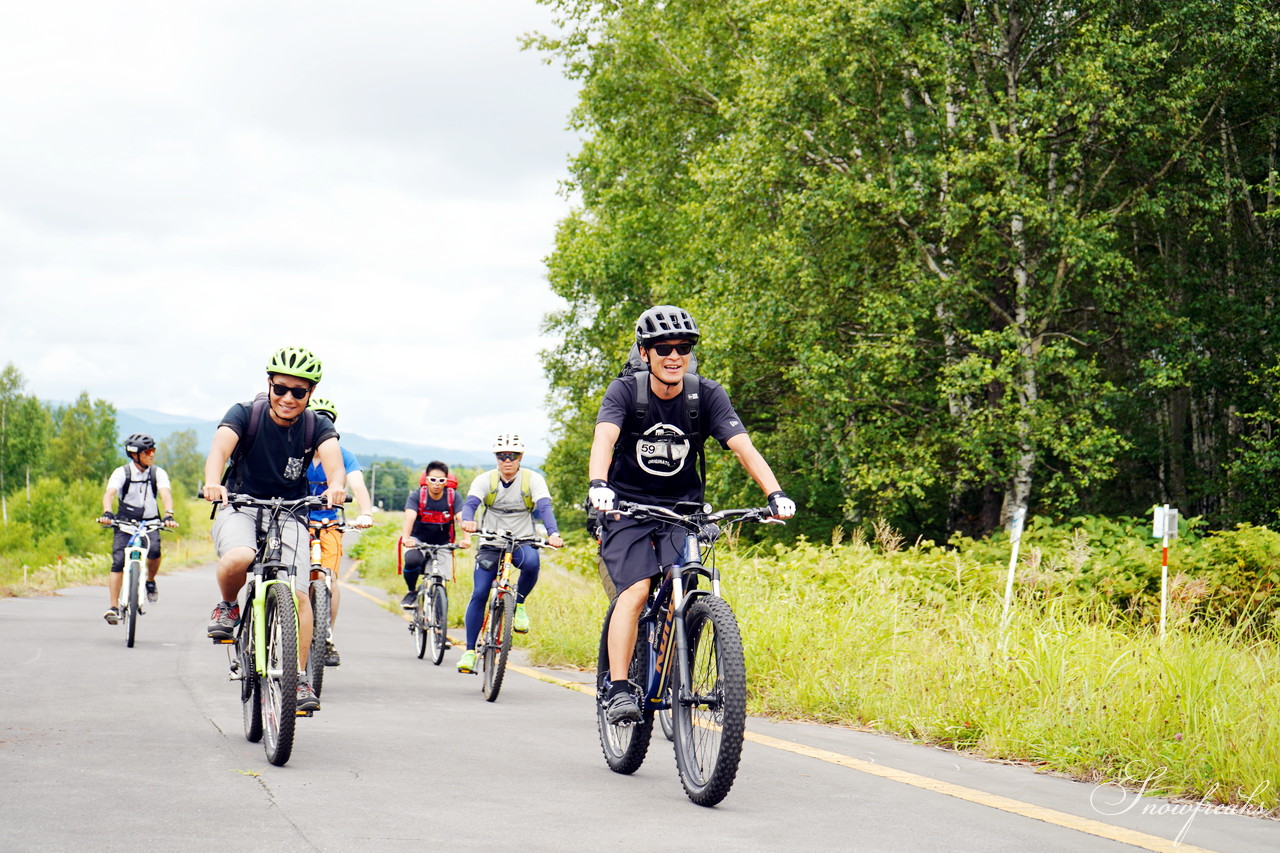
x: 494, y: 643
x: 135, y: 557
x: 263, y: 654
x: 430, y: 623
x: 687, y: 660
x: 320, y: 591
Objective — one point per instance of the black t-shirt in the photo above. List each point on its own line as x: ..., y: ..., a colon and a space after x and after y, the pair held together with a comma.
x: 276, y: 465
x: 657, y: 460
x: 428, y: 532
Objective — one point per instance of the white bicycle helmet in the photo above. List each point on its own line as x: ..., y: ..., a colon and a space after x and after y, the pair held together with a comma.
x: 508, y: 441
x: 662, y: 322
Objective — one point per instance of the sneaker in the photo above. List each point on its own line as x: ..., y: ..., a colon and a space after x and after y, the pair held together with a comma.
x: 223, y: 621
x: 112, y: 615
x: 331, y: 656
x: 622, y: 708
x: 152, y: 595
x: 467, y: 663
x: 520, y: 624
x: 410, y: 598
x: 307, y: 699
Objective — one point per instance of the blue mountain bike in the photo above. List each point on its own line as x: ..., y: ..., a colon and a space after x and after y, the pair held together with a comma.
x: 135, y: 557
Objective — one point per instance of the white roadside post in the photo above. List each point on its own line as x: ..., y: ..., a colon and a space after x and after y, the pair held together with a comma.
x: 1015, y: 538
x: 1165, y: 527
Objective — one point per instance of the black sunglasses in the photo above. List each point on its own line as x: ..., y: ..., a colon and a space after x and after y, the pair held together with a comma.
x: 506, y: 456
x: 281, y: 390
x: 664, y: 350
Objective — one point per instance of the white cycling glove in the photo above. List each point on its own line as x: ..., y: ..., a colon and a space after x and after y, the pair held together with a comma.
x: 364, y: 521
x: 601, y: 496
x: 781, y: 506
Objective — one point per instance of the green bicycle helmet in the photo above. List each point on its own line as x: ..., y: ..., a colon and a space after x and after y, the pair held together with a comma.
x: 324, y: 406
x: 295, y: 361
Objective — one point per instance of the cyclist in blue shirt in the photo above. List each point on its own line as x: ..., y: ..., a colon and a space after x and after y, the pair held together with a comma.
x: 331, y: 537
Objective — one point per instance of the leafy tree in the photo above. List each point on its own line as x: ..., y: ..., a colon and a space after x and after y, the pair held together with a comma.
x: 181, y: 458
x: 25, y: 428
x: 84, y: 446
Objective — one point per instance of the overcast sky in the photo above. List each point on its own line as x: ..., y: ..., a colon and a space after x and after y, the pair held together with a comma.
x: 186, y: 186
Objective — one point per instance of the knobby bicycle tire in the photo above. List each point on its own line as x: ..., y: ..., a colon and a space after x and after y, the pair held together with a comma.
x: 664, y: 719
x: 624, y: 746
x: 420, y: 620
x: 710, y: 710
x: 498, y: 645
x: 438, y: 623
x: 321, y: 605
x: 250, y: 686
x: 131, y: 604
x: 280, y: 685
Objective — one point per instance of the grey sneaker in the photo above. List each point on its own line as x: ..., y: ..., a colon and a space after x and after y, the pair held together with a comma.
x: 223, y: 621
x: 622, y: 708
x: 112, y: 615
x: 152, y: 595
x: 307, y: 699
x: 410, y: 598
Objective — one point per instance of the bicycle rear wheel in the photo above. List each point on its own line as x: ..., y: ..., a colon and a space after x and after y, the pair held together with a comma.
x: 421, y: 615
x: 493, y: 663
x: 624, y: 746
x: 131, y: 603
x: 280, y: 683
x: 250, y: 686
x: 710, y: 707
x: 438, y: 622
x: 320, y: 609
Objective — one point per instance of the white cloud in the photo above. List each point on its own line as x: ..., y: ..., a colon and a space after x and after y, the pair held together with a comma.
x: 185, y: 187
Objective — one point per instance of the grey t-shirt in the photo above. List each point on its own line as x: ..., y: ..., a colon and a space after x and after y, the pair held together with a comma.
x: 509, y: 511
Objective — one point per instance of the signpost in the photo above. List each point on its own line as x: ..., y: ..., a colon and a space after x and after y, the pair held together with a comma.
x: 1164, y: 526
x: 1015, y: 538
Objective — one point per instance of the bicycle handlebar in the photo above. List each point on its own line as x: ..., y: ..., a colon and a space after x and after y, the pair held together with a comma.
x: 511, y: 540
x: 694, y: 520
x: 427, y: 546
x: 309, y: 502
x: 130, y: 526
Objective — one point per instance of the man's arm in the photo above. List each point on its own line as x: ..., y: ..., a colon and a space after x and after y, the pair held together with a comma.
x: 754, y: 463
x: 224, y: 442
x: 355, y: 480
x: 406, y: 531
x: 606, y: 436
x: 166, y: 498
x: 335, y: 472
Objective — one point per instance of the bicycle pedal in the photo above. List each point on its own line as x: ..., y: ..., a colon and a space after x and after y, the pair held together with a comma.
x: 217, y: 641
x: 303, y: 713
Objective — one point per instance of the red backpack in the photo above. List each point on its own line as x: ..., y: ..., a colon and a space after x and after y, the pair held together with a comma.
x: 436, y: 516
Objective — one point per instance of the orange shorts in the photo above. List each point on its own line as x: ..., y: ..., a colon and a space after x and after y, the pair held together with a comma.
x: 330, y: 547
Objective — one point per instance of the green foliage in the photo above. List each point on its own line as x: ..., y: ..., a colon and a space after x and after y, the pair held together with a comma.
x: 949, y: 261
x: 25, y: 427
x: 84, y: 445
x: 182, y: 460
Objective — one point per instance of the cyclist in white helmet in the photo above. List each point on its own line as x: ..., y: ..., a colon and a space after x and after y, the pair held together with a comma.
x: 512, y: 499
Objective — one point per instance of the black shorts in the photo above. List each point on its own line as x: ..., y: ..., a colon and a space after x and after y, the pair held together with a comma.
x: 634, y: 550
x: 121, y: 541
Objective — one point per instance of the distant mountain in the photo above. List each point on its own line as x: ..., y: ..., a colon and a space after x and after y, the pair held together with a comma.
x: 159, y: 425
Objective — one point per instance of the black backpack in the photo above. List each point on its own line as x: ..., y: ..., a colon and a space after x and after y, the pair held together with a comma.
x: 639, y: 371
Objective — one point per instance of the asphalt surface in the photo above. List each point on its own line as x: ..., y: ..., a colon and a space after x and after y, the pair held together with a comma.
x: 108, y: 748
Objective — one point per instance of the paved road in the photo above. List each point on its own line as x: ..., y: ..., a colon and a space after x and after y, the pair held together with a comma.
x: 108, y: 748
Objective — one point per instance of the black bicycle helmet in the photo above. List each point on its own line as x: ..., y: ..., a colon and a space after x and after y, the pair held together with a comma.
x: 662, y: 322
x: 138, y: 443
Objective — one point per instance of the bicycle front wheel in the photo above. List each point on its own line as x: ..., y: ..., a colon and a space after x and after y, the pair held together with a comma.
x: 421, y: 616
x: 502, y: 610
x: 131, y: 604
x: 437, y: 622
x: 280, y: 682
x: 320, y: 609
x: 624, y: 745
x: 250, y: 686
x: 710, y: 702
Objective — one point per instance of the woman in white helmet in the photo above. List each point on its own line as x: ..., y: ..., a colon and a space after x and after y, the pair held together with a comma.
x: 512, y: 499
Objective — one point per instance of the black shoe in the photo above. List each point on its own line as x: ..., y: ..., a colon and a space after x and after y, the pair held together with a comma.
x: 409, y: 599
x: 331, y: 656
x: 307, y: 699
x: 223, y: 621
x: 112, y: 615
x: 152, y: 595
x: 622, y: 708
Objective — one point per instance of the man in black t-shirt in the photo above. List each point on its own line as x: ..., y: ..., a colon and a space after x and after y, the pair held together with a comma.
x: 433, y: 524
x: 274, y: 465
x: 655, y: 462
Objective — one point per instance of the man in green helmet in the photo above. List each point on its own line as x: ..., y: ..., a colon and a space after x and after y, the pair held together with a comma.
x: 266, y: 442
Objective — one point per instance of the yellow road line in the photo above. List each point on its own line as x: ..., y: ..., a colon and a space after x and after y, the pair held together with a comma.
x: 995, y: 801
x: 1006, y: 804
